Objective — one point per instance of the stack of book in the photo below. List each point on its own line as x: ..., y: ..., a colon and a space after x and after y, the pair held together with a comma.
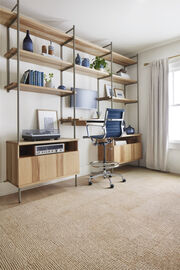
x: 33, y: 77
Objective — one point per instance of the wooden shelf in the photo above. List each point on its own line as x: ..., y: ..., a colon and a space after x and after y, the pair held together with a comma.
x: 61, y: 140
x: 38, y: 59
x: 39, y: 89
x: 80, y: 122
x: 70, y: 121
x: 131, y: 135
x: 49, y: 33
x: 119, y: 100
x: 59, y: 64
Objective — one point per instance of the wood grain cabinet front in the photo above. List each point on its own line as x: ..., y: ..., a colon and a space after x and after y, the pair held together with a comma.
x: 25, y: 171
x: 47, y: 167
x: 129, y: 152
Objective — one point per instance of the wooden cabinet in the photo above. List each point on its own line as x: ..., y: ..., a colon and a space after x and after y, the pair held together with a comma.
x: 123, y: 153
x: 24, y: 171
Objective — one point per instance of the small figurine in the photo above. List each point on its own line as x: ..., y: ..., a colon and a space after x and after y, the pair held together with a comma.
x: 51, y: 49
x: 44, y: 49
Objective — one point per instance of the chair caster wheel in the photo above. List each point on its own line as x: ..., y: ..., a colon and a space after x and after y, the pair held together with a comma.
x: 124, y: 180
x: 89, y: 183
x: 111, y: 186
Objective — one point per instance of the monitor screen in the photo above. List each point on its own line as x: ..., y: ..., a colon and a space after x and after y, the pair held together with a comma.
x: 85, y: 99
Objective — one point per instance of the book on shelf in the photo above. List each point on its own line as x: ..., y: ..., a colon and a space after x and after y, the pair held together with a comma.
x: 33, y: 77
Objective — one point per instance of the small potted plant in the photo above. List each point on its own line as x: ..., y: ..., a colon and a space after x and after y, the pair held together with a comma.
x: 99, y: 63
x: 48, y: 80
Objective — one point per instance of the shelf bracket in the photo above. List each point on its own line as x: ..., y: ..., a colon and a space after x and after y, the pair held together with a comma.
x: 105, y: 54
x: 66, y: 68
x: 12, y: 21
x: 67, y: 41
x: 14, y: 8
x: 104, y: 77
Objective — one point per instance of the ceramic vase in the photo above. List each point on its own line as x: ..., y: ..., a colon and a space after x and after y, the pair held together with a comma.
x: 62, y: 87
x: 78, y: 60
x: 49, y: 84
x: 27, y: 42
x: 85, y: 62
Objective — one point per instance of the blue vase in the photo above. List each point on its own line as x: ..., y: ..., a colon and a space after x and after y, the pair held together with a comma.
x: 27, y: 43
x: 130, y: 130
x: 85, y: 62
x: 62, y: 87
x: 78, y: 60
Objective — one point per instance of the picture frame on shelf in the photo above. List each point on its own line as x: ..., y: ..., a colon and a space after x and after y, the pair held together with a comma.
x: 109, y: 92
x: 119, y: 93
x: 47, y: 119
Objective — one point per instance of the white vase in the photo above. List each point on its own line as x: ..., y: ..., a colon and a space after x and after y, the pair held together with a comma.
x: 101, y: 69
x: 49, y: 84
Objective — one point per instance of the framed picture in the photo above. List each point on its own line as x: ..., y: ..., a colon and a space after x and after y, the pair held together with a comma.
x: 119, y: 93
x: 109, y: 91
x: 47, y: 119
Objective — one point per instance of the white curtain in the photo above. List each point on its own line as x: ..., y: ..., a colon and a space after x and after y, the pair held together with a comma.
x: 157, y: 129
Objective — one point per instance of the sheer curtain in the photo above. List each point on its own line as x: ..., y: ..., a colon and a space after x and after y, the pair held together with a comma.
x: 157, y: 129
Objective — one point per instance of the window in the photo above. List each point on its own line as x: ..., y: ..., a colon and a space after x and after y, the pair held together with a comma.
x: 174, y: 102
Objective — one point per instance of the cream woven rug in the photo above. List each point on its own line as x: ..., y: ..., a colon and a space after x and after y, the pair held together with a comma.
x: 136, y: 225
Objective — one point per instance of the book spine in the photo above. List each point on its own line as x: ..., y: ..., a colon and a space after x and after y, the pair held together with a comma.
x: 39, y: 78
x: 26, y: 77
x: 22, y: 79
x: 42, y: 78
x: 31, y: 77
x: 36, y: 77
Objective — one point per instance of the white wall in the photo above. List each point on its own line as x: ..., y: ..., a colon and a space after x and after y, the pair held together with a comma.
x: 29, y: 102
x: 144, y: 84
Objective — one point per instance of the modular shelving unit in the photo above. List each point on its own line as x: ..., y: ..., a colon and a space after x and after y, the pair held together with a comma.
x: 15, y: 20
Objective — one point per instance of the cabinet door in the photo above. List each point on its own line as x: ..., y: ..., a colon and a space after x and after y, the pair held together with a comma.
x: 28, y: 171
x: 122, y: 153
x: 137, y: 151
x: 47, y: 167
x: 70, y: 163
x: 127, y: 153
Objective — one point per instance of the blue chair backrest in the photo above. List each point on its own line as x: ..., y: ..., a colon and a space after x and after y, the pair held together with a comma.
x: 113, y: 128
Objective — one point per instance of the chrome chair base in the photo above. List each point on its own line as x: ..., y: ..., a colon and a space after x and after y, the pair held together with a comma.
x: 105, y: 173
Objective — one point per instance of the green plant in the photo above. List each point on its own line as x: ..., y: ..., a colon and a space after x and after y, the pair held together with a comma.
x: 98, y: 63
x: 51, y: 75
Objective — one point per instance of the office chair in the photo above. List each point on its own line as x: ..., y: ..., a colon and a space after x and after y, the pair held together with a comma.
x: 112, y: 128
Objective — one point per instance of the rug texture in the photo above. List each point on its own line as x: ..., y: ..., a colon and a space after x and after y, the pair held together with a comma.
x: 134, y: 226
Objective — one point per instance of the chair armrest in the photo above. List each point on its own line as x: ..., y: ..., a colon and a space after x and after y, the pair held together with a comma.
x: 95, y: 125
x: 115, y: 120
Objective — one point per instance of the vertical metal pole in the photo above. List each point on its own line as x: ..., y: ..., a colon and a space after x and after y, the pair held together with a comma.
x: 137, y: 93
x: 18, y: 73
x: 61, y: 82
x: 74, y: 81
x: 98, y: 96
x: 8, y: 48
x: 74, y: 87
x: 111, y: 78
x: 19, y: 195
x: 137, y: 56
x: 125, y: 91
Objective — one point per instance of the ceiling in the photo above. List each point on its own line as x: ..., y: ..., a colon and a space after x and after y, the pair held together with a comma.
x: 132, y: 25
